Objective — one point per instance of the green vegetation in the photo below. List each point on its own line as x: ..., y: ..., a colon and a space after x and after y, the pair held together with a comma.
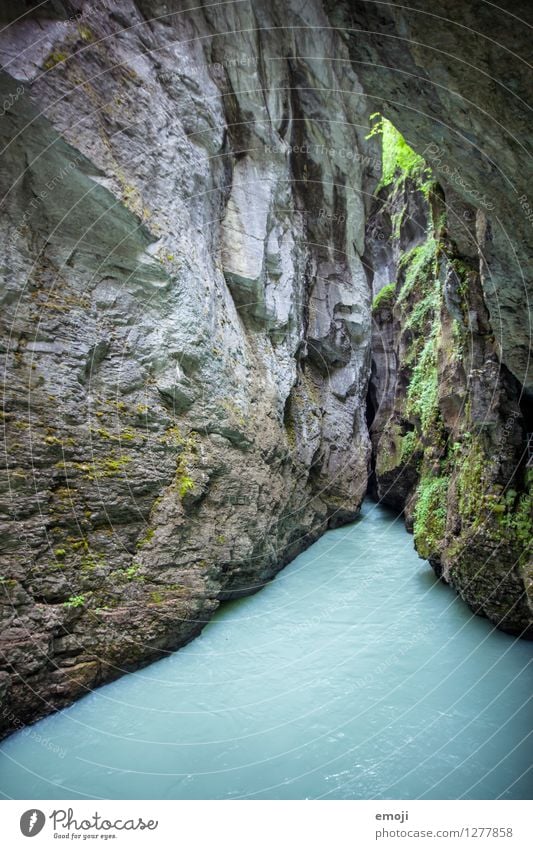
x: 506, y: 518
x: 471, y: 466
x: 55, y: 58
x: 125, y: 435
x: 108, y: 467
x: 75, y: 601
x: 422, y: 394
x: 399, y: 161
x: 430, y: 514
x: 420, y: 265
x: 184, y: 484
x: 384, y: 298
x: 132, y: 573
x: 91, y: 560
x: 149, y: 535
x: 426, y: 310
x: 86, y: 34
x: 521, y: 524
x: 409, y: 445
x: 188, y: 445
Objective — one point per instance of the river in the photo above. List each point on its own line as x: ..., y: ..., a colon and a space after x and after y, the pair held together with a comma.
x: 354, y: 674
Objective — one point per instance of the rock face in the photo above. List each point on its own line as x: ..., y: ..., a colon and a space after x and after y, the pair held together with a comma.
x: 186, y: 326
x: 448, y: 429
x: 186, y: 317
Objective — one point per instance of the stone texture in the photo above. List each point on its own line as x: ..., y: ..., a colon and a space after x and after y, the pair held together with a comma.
x: 449, y: 439
x: 175, y: 430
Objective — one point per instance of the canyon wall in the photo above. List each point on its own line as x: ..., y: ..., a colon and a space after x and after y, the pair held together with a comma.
x: 186, y: 325
x: 449, y: 421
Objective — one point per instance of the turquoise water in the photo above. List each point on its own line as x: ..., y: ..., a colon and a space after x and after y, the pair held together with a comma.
x: 354, y: 674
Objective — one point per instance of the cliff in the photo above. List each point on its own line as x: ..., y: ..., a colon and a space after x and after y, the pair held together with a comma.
x: 449, y: 422
x: 186, y: 327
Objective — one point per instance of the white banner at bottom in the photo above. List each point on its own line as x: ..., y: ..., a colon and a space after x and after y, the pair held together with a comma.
x: 267, y: 824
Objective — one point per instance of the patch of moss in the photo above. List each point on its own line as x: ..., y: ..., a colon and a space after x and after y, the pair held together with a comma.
x: 385, y: 298
x: 399, y: 160
x: 409, y: 445
x: 75, y: 601
x: 85, y: 33
x: 91, y: 561
x: 420, y: 264
x: 389, y: 449
x: 472, y: 486
x: 422, y: 394
x: 184, y: 484
x: 149, y: 535
x: 55, y: 58
x: 430, y: 514
x: 107, y: 467
x: 53, y: 440
x: 425, y: 311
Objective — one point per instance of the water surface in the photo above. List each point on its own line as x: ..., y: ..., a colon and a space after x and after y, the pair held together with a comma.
x: 354, y: 674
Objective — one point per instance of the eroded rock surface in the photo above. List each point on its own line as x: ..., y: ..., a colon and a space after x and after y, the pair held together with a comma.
x: 449, y: 422
x: 186, y: 326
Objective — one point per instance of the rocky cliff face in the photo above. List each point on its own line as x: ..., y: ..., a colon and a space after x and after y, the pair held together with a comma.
x: 186, y: 325
x: 449, y: 421
x: 186, y: 312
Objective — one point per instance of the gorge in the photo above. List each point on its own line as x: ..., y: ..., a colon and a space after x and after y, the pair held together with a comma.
x: 235, y: 297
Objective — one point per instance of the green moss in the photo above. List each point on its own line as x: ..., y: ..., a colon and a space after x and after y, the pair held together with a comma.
x: 108, y: 467
x: 90, y: 561
x: 409, y: 445
x: 423, y: 391
x: 76, y: 544
x: 86, y: 34
x: 523, y: 520
x: 75, y: 601
x: 430, y: 514
x: 426, y: 310
x: 384, y: 298
x: 185, y: 484
x: 399, y: 161
x: 55, y: 58
x: 132, y: 573
x: 420, y: 264
x: 149, y: 535
x: 53, y: 440
x: 188, y: 445
x: 472, y: 485
x: 60, y: 552
x: 389, y: 449
x: 290, y: 430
